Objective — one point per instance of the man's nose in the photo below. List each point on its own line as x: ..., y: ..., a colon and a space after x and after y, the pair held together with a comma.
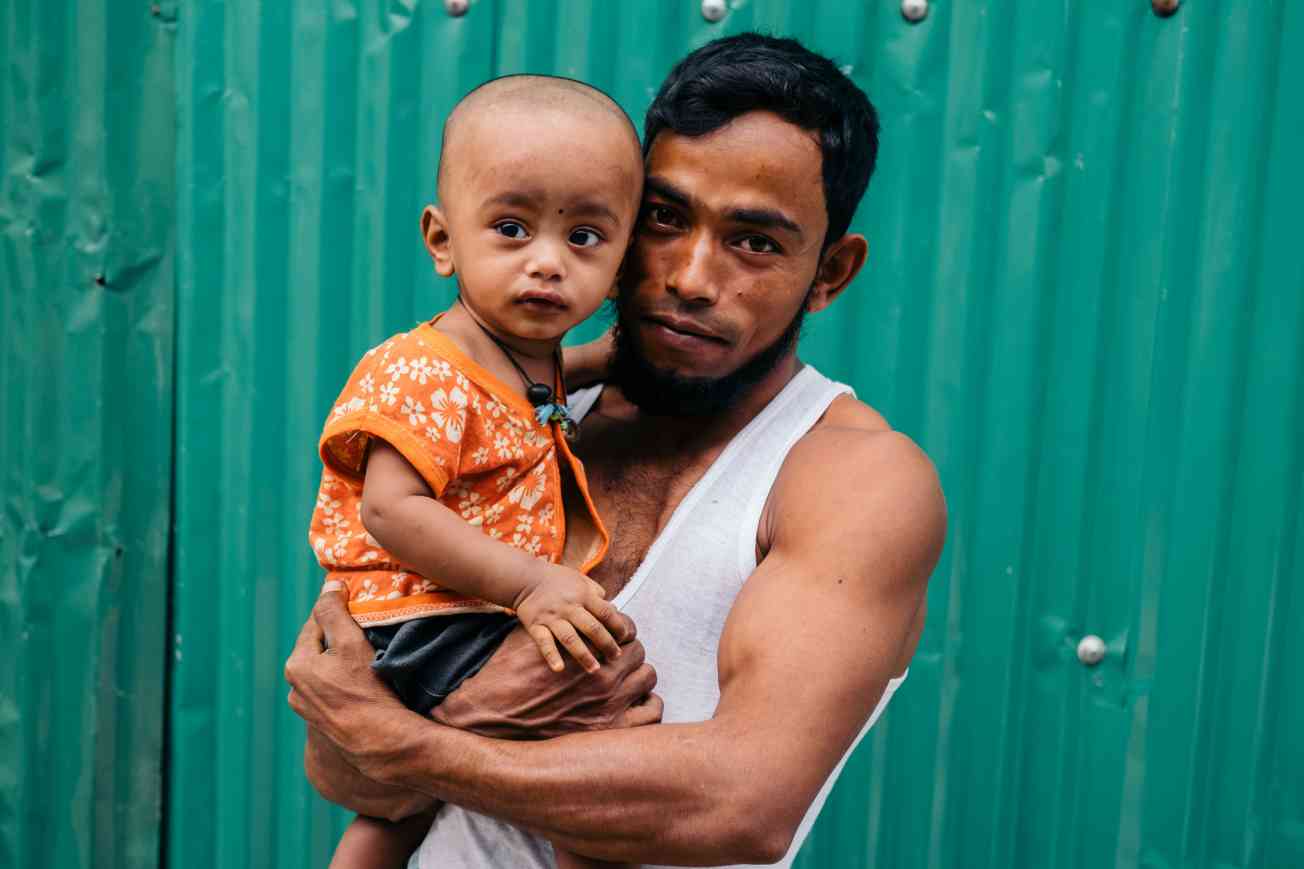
x: 546, y: 261
x: 691, y: 280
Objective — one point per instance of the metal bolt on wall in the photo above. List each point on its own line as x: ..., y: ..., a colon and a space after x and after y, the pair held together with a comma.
x: 714, y: 10
x: 914, y: 10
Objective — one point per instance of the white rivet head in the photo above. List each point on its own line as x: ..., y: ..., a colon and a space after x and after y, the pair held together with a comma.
x: 914, y: 10
x: 457, y: 8
x: 1165, y: 7
x: 1091, y: 650
x: 714, y: 10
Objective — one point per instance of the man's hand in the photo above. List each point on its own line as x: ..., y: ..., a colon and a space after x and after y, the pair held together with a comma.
x: 516, y: 695
x: 340, y: 783
x: 335, y: 691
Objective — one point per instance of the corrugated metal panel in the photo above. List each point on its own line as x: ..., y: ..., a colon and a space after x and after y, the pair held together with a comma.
x: 87, y: 188
x: 1084, y: 299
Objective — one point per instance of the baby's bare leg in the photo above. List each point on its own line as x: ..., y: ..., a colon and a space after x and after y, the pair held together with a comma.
x: 567, y: 860
x: 373, y: 843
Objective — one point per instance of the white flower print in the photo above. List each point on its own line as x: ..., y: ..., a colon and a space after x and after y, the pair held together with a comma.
x: 531, y: 545
x: 524, y: 522
x: 441, y: 369
x: 336, y: 522
x: 367, y: 384
x: 480, y: 456
x: 421, y: 370
x: 493, y: 514
x: 367, y: 592
x: 506, y: 478
x: 528, y: 492
x: 415, y: 410
x: 395, y: 370
x: 502, y: 446
x: 449, y: 410
x: 433, y: 433
x: 470, y: 505
x: 389, y: 393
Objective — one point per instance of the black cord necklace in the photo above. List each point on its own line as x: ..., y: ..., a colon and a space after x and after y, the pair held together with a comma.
x: 546, y: 406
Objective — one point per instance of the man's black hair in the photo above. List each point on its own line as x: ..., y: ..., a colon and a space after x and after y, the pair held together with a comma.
x: 753, y: 72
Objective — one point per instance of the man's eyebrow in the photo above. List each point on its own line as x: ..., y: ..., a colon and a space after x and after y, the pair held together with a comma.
x: 766, y: 218
x: 663, y: 188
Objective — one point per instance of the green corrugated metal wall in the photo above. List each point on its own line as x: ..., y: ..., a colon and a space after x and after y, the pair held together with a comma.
x: 87, y: 191
x: 1085, y: 299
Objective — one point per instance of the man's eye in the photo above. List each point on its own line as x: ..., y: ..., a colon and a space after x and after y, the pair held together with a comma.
x: 584, y: 238
x: 759, y: 244
x: 510, y: 229
x: 662, y: 216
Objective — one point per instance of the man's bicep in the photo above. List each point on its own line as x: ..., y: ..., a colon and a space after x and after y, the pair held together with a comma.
x: 834, y: 609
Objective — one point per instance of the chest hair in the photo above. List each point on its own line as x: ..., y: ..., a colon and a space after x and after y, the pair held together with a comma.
x: 636, y: 488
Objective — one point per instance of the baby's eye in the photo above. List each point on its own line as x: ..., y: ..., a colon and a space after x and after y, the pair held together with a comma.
x: 510, y: 229
x: 759, y: 244
x: 585, y: 238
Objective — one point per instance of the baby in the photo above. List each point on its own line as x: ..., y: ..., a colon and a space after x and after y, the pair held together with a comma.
x: 441, y: 506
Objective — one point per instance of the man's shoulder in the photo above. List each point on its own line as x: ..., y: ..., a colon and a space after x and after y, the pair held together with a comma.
x: 852, y: 435
x: 854, y: 458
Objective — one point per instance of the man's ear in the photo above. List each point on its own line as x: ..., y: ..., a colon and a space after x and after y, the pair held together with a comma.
x: 838, y: 267
x: 434, y: 232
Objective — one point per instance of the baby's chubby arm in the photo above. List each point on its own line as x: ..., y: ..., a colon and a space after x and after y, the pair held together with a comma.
x: 552, y: 601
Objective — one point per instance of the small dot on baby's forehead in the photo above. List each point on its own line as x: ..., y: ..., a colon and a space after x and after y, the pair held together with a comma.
x: 561, y: 211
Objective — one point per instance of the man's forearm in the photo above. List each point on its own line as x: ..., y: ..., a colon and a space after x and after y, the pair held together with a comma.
x: 683, y: 793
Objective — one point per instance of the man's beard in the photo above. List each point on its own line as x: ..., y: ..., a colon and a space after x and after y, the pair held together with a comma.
x: 667, y: 393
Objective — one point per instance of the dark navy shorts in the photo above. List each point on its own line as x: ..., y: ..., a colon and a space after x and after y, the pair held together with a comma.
x: 424, y: 660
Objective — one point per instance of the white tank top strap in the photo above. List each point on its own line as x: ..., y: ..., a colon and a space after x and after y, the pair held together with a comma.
x: 581, y: 401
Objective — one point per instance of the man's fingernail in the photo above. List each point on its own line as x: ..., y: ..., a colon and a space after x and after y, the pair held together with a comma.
x: 331, y: 585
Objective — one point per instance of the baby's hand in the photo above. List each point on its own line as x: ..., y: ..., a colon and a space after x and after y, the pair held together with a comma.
x: 561, y: 603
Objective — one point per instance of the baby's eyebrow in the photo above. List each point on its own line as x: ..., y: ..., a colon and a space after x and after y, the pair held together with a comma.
x: 514, y: 198
x: 594, y: 208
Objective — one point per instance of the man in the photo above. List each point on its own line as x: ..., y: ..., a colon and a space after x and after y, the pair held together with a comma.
x: 772, y: 537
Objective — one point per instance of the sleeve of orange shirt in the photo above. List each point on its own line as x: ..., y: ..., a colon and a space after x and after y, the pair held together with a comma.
x: 409, y: 398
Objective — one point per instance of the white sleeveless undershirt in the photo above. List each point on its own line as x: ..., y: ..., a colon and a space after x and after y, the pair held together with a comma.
x: 679, y: 597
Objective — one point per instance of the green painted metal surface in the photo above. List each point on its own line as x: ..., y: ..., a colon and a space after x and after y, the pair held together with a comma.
x: 87, y: 190
x: 1085, y: 300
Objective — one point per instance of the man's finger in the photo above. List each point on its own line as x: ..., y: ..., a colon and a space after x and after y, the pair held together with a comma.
x: 331, y: 614
x: 307, y: 643
x: 647, y: 712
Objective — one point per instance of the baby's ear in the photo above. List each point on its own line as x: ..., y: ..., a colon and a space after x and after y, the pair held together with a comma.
x: 434, y: 232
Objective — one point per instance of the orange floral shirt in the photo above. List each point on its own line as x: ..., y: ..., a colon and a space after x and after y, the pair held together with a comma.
x: 478, y: 446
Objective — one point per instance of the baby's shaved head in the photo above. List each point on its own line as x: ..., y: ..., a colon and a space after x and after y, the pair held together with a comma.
x: 536, y: 96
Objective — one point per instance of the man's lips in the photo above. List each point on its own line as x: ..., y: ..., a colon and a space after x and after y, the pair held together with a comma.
x: 684, y: 327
